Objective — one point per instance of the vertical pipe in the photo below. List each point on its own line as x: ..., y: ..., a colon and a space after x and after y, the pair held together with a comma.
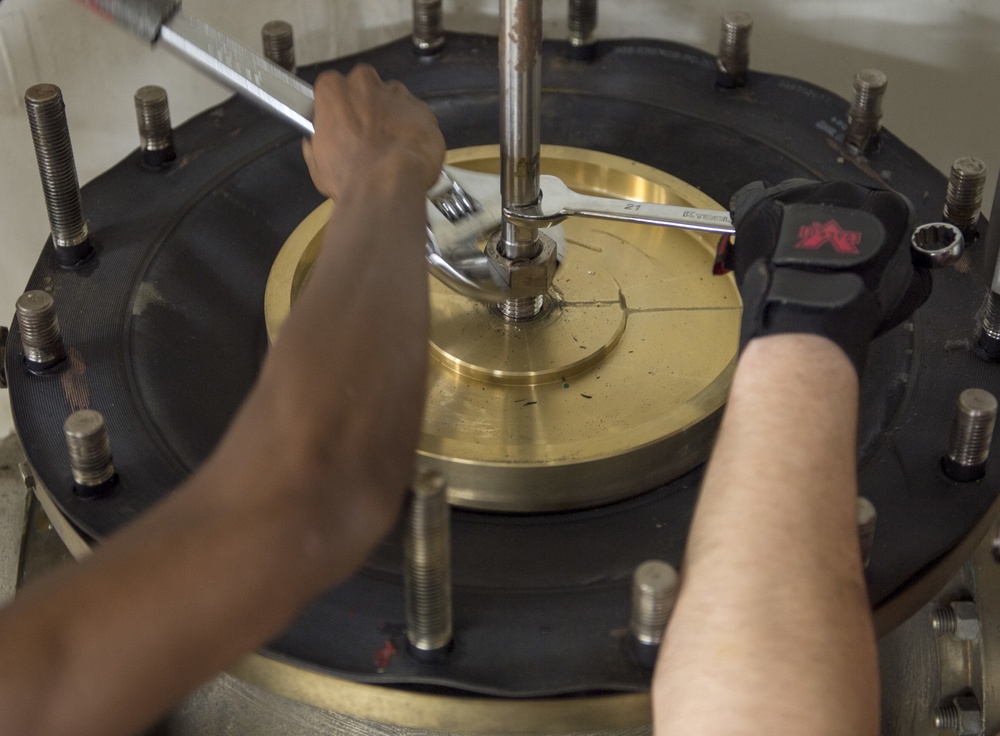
x: 520, y: 124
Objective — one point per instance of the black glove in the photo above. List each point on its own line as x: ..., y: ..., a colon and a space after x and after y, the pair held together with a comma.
x: 830, y: 259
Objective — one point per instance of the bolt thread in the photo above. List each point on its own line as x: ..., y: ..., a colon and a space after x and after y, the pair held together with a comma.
x: 582, y: 22
x: 654, y: 592
x: 944, y: 621
x: 946, y: 718
x: 40, y: 336
x: 89, y: 448
x: 991, y: 315
x: 279, y: 43
x: 520, y: 310
x: 427, y: 564
x: 867, y: 517
x: 864, y: 120
x: 964, y: 198
x: 428, y: 25
x: 734, y: 43
x: 972, y: 428
x: 56, y: 165
x: 152, y: 113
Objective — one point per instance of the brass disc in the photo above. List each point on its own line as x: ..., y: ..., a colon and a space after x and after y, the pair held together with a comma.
x: 616, y: 389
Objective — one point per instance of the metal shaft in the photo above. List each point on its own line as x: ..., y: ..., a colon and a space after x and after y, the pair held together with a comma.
x: 428, y: 29
x: 582, y: 28
x: 156, y: 136
x: 279, y: 43
x: 427, y: 565
x: 57, y: 167
x: 89, y: 449
x: 864, y: 120
x: 654, y: 592
x: 964, y: 197
x: 520, y: 119
x: 734, y: 49
x: 39, y: 327
x: 971, y: 435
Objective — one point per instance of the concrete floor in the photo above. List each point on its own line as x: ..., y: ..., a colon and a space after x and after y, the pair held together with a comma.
x: 940, y: 55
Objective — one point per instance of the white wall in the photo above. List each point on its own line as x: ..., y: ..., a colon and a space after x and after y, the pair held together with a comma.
x: 941, y: 57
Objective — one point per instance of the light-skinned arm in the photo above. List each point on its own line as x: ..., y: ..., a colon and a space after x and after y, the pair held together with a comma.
x: 301, y: 487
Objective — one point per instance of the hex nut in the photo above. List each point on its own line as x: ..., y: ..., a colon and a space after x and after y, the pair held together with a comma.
x: 966, y: 620
x: 970, y: 717
x: 528, y: 278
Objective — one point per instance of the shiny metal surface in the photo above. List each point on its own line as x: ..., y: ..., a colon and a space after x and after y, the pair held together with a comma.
x: 89, y: 447
x: 972, y: 429
x: 428, y: 28
x: 734, y: 48
x: 156, y: 136
x: 613, y: 391
x: 937, y: 244
x: 39, y: 325
x: 655, y: 586
x: 558, y: 202
x: 278, y: 39
x: 964, y: 197
x: 864, y: 119
x: 427, y: 564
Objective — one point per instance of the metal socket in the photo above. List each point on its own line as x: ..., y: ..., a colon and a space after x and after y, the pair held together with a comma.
x: 57, y: 169
x: 428, y: 27
x: 156, y: 135
x: 427, y: 566
x: 89, y: 448
x: 971, y: 436
x: 964, y: 198
x: 867, y: 516
x: 864, y: 119
x: 279, y: 43
x: 40, y: 336
x: 583, y: 29
x: 733, y: 60
x: 937, y: 244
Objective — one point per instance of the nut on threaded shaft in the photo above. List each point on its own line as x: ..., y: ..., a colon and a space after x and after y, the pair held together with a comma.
x: 964, y: 198
x: 39, y: 327
x: 971, y: 435
x: 279, y: 43
x: 427, y: 565
x: 57, y: 169
x: 654, y: 592
x: 583, y: 28
x: 864, y: 119
x: 867, y: 517
x: 156, y: 136
x: 428, y: 28
x: 89, y: 451
x: 734, y: 49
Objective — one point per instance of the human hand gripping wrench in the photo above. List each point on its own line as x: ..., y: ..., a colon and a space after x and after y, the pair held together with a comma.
x: 463, y: 207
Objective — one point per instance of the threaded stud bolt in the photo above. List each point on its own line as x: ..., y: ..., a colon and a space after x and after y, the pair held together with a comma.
x: 89, y: 448
x: 428, y: 28
x: 156, y: 136
x: 583, y: 29
x: 654, y: 591
x: 867, y: 517
x: 964, y: 197
x: 971, y: 435
x: 864, y: 119
x: 279, y: 43
x: 57, y: 168
x: 39, y: 327
x: 427, y: 566
x: 733, y: 60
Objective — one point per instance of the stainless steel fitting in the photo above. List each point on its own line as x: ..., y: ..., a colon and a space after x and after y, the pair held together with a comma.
x: 960, y: 619
x: 655, y: 586
x: 279, y: 43
x: 428, y: 28
x: 734, y: 49
x: 583, y: 29
x: 971, y: 436
x: 40, y: 337
x: 937, y: 244
x: 529, y: 279
x: 427, y: 566
x: 963, y: 717
x: 964, y: 198
x: 156, y: 135
x: 89, y: 452
x: 864, y: 119
x: 867, y: 516
x: 988, y: 339
x: 57, y: 168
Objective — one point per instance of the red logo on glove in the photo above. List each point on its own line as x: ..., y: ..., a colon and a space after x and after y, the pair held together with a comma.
x: 815, y: 236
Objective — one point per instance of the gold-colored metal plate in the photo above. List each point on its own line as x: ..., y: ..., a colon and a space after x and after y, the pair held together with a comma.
x: 617, y: 389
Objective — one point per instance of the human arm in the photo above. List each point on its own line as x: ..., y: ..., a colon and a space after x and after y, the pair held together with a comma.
x: 300, y: 488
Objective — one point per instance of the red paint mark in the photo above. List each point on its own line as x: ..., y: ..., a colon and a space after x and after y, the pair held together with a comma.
x: 383, y: 657
x: 815, y: 236
x: 352, y: 614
